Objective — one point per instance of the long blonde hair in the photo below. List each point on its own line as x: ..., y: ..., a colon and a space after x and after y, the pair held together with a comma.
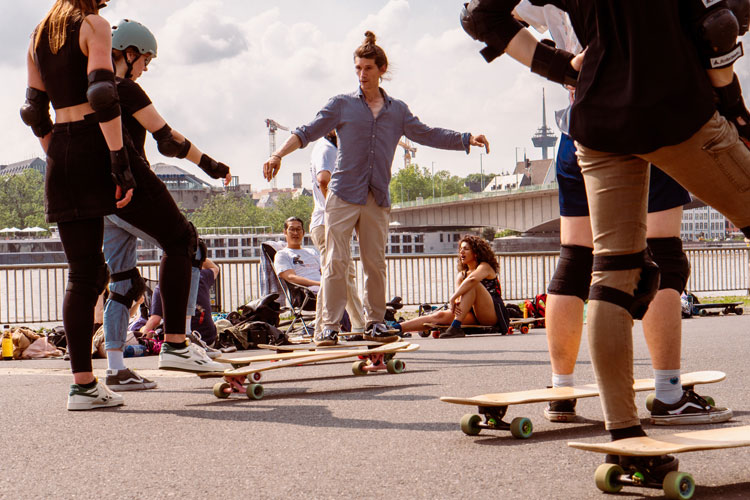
x: 57, y: 19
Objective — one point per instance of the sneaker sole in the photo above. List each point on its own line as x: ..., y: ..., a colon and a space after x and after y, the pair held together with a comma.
x: 385, y: 340
x: 452, y: 336
x: 89, y: 406
x: 554, y: 416
x: 695, y: 418
x: 132, y: 387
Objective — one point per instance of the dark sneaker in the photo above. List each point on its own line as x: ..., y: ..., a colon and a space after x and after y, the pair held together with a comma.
x: 690, y: 409
x: 327, y: 337
x: 561, y: 411
x: 127, y: 380
x: 453, y: 332
x: 378, y: 332
x: 651, y: 469
x: 99, y: 396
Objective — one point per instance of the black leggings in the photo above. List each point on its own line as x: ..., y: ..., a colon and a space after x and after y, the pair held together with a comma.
x: 82, y: 242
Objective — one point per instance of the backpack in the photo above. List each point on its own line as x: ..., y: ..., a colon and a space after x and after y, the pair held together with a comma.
x: 249, y: 334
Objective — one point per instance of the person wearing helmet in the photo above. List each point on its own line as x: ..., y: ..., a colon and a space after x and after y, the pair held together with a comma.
x: 93, y: 170
x: 133, y: 47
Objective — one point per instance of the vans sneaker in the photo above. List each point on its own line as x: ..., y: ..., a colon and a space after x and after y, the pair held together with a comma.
x: 127, y: 380
x: 378, y: 332
x: 327, y: 337
x: 189, y: 359
x: 99, y: 396
x: 690, y: 409
x: 561, y: 411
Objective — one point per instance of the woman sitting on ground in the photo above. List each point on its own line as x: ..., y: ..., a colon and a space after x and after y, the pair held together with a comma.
x: 477, y: 299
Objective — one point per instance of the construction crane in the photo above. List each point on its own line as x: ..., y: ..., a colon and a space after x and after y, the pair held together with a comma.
x: 273, y: 126
x: 409, y: 150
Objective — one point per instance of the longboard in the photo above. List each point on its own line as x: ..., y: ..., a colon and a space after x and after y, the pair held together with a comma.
x: 240, y: 362
x: 525, y: 324
x: 313, y: 347
x: 494, y: 406
x: 610, y: 478
x: 727, y: 308
x: 377, y: 359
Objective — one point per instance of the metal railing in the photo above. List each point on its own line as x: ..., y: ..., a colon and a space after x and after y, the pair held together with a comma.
x: 34, y: 293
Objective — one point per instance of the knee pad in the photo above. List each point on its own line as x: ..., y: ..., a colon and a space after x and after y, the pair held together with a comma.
x: 137, y: 287
x: 185, y: 242
x: 645, y: 290
x: 573, y: 273
x: 87, y: 278
x: 715, y: 30
x: 102, y: 95
x: 674, y: 267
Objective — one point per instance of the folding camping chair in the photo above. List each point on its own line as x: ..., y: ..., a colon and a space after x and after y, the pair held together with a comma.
x: 300, y: 299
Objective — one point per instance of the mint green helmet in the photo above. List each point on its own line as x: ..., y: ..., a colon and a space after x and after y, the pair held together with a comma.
x: 129, y: 33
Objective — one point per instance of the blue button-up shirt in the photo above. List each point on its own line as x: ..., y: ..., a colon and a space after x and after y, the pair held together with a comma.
x: 366, y: 144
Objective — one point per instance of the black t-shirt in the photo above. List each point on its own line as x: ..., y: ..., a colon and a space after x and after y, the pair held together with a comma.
x: 642, y: 86
x: 132, y: 100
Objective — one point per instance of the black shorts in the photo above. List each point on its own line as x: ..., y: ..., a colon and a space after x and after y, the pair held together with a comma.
x: 663, y: 192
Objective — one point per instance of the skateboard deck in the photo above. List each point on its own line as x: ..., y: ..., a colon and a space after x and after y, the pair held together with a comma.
x: 726, y: 308
x: 611, y: 478
x: 377, y: 359
x: 240, y: 362
x: 494, y: 406
x: 525, y: 324
x: 312, y: 347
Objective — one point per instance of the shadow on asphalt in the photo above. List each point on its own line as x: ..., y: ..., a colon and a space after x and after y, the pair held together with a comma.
x: 583, y: 428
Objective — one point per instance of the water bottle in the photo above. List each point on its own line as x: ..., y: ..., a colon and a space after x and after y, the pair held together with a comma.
x: 133, y: 351
x: 7, y: 345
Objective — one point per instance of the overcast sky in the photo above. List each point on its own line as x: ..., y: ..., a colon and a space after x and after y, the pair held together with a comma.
x: 224, y: 66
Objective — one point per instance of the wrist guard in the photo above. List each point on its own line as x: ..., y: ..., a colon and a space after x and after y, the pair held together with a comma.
x: 731, y: 106
x: 121, y: 173
x: 168, y: 145
x: 554, y: 65
x: 216, y: 170
x: 35, y: 112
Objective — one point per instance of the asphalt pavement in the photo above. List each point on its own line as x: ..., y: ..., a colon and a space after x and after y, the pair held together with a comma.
x: 320, y: 432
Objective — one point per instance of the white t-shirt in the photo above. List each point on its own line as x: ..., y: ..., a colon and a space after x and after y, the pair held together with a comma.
x: 304, y: 262
x: 323, y: 158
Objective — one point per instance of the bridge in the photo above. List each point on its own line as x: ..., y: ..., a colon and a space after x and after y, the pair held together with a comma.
x: 526, y: 209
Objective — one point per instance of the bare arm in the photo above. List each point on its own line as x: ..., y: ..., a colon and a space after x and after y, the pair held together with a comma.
x: 324, y: 177
x: 481, y: 272
x: 291, y: 277
x: 209, y: 264
x: 34, y: 80
x: 273, y: 164
x: 153, y: 321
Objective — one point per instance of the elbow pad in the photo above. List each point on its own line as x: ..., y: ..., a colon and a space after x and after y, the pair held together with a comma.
x: 216, y: 170
x: 102, y: 95
x: 35, y: 112
x: 715, y: 31
x: 486, y: 22
x: 168, y: 145
x: 554, y: 64
x: 741, y: 11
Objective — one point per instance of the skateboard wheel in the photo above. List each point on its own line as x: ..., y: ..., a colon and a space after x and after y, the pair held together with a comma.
x: 524, y: 329
x: 222, y: 390
x: 435, y: 334
x: 424, y: 334
x: 678, y: 485
x: 521, y: 428
x: 358, y: 368
x: 650, y: 401
x: 254, y: 391
x: 395, y: 366
x: 470, y: 424
x: 255, y: 377
x: 738, y: 311
x: 607, y: 476
x: 703, y: 312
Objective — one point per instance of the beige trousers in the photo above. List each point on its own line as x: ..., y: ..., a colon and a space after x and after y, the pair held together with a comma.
x: 714, y: 165
x: 353, y: 303
x: 371, y: 222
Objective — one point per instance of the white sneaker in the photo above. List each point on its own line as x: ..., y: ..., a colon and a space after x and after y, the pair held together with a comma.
x: 99, y: 396
x: 190, y: 359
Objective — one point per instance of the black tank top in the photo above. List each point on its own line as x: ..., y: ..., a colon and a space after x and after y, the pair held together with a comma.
x: 492, y: 285
x: 64, y: 74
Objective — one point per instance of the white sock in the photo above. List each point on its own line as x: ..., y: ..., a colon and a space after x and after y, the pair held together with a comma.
x: 187, y: 324
x: 668, y: 386
x: 115, y: 360
x: 563, y: 380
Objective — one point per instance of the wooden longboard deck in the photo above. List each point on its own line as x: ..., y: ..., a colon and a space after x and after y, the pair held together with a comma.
x: 681, y: 442
x: 265, y: 357
x: 717, y: 305
x: 311, y: 346
x: 577, y: 392
x: 326, y: 356
x: 435, y: 326
x: 524, y: 321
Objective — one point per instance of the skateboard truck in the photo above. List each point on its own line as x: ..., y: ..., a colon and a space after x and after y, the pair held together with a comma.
x: 610, y: 478
x: 519, y: 427
x: 236, y: 383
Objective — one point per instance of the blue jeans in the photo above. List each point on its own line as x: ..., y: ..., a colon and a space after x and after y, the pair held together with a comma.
x: 120, y: 241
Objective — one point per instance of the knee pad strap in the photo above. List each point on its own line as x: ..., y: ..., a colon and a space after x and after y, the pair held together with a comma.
x: 137, y: 287
x: 573, y: 273
x: 645, y: 290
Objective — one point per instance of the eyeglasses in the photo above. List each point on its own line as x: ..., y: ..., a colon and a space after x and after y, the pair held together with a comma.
x: 147, y: 60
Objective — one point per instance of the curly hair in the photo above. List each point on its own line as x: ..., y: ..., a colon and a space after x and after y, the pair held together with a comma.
x: 482, y: 251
